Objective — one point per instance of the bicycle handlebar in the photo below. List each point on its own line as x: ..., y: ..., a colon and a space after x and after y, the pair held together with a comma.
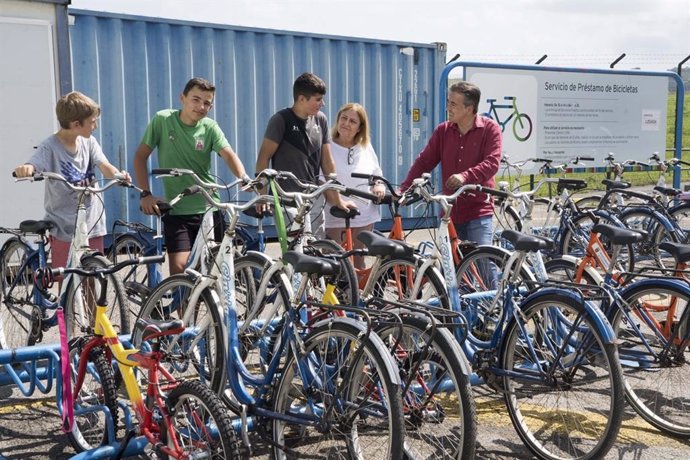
x: 36, y: 177
x: 177, y: 172
x: 373, y: 178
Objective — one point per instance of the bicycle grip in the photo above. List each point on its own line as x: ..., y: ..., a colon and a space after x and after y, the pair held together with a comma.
x: 542, y: 160
x: 360, y: 175
x: 160, y: 171
x: 157, y: 259
x: 585, y: 158
x: 366, y: 195
x: 495, y: 192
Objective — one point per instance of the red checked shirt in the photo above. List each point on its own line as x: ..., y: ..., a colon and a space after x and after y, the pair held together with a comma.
x: 475, y: 155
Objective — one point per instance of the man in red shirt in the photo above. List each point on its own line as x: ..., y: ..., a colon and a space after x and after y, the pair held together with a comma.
x: 468, y: 146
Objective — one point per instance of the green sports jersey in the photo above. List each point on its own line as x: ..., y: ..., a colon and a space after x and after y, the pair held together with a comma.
x: 184, y: 147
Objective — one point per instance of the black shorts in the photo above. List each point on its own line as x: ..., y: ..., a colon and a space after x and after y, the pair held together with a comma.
x: 180, y: 231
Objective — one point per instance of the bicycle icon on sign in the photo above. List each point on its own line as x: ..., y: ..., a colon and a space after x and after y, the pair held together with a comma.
x: 522, y: 124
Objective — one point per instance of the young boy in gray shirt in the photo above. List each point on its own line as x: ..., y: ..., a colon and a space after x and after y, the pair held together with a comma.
x: 73, y: 153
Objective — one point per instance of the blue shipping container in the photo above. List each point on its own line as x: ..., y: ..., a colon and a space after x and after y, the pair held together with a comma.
x: 135, y: 66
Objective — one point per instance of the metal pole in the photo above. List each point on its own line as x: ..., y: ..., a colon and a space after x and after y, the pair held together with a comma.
x: 454, y: 58
x: 679, y: 71
x: 617, y: 60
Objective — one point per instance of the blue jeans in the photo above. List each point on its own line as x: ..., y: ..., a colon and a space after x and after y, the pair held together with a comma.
x: 479, y: 230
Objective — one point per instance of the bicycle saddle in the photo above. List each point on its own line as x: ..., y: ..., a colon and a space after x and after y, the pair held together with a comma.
x: 571, y: 184
x: 615, y: 184
x: 379, y: 245
x: 668, y: 191
x: 619, y: 235
x: 679, y: 251
x: 342, y: 214
x: 303, y: 263
x: 527, y: 243
x: 155, y: 329
x: 35, y: 226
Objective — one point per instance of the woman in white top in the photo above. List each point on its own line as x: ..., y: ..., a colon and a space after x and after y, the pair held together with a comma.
x: 352, y: 152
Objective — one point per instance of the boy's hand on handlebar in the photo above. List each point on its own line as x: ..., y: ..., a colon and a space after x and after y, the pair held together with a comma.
x: 149, y: 205
x: 455, y: 181
x: 24, y: 171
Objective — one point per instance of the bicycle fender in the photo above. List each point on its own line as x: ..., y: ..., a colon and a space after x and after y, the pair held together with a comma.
x: 681, y: 285
x: 261, y: 255
x: 599, y: 319
x: 375, y: 340
x: 591, y: 271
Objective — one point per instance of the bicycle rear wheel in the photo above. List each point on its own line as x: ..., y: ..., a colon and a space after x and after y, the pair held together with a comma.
x: 656, y: 381
x: 345, y: 387
x: 16, y: 307
x: 201, y: 424
x: 438, y: 406
x: 199, y: 352
x: 564, y: 393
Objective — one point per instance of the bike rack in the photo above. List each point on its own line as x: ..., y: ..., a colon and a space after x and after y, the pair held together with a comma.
x: 38, y: 368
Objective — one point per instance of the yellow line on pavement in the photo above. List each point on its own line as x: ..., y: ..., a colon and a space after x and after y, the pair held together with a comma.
x: 634, y: 431
x: 29, y: 404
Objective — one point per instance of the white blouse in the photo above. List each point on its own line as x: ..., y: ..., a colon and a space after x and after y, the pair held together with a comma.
x: 364, y: 160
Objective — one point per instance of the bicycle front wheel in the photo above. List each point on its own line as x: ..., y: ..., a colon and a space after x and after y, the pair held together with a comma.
x: 90, y: 429
x: 80, y: 304
x: 563, y: 384
x: 438, y: 406
x: 343, y: 389
x: 656, y: 377
x: 199, y: 352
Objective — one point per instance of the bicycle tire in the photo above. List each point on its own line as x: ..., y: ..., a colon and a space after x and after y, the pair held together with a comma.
x: 565, y: 270
x: 585, y: 393
x: 647, y: 250
x: 438, y: 405
x: 346, y: 285
x: 199, y: 352
x: 588, y: 203
x: 98, y: 389
x: 190, y: 403
x: 17, y: 323
x: 657, y: 387
x: 575, y: 244
x: 394, y: 280
x: 83, y: 292
x: 681, y: 214
x: 505, y: 218
x: 365, y: 418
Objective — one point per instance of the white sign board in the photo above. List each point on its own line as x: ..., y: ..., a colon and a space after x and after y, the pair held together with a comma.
x: 563, y: 115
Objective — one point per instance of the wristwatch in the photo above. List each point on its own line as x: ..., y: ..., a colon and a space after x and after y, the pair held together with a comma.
x: 144, y: 194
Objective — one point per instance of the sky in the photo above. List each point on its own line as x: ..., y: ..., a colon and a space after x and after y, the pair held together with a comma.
x: 653, y: 34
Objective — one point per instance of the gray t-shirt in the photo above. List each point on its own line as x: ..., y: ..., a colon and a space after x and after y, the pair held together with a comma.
x: 60, y: 202
x: 299, y: 144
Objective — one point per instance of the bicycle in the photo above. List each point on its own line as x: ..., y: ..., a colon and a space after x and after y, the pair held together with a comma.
x: 521, y: 346
x: 338, y: 375
x: 651, y: 318
x: 522, y: 123
x: 178, y: 419
x: 25, y: 314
